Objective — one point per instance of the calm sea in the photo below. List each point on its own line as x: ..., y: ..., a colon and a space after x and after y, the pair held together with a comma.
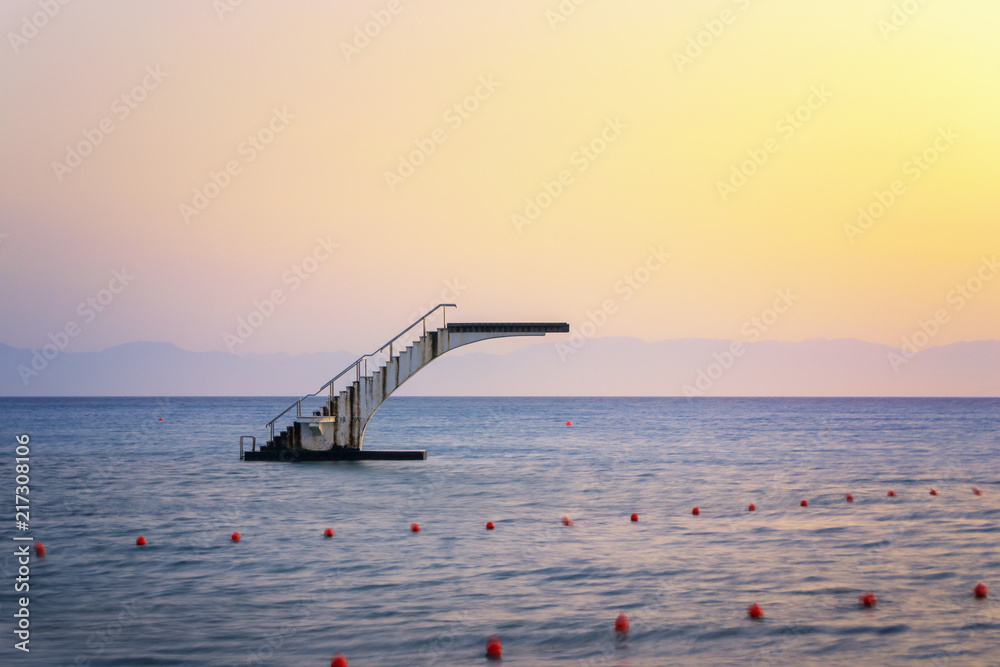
x: 103, y: 471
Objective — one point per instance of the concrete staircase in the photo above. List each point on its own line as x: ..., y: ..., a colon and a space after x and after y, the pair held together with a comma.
x: 339, y: 426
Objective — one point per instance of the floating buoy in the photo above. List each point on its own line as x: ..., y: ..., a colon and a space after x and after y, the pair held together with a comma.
x: 569, y: 423
x: 489, y: 525
x: 891, y: 494
x: 621, y: 624
x: 933, y: 492
x: 494, y: 649
x: 980, y: 591
x: 566, y: 521
x: 141, y: 541
x: 237, y: 537
x: 867, y: 600
x: 329, y: 532
x: 827, y: 428
x: 339, y: 660
x: 976, y: 491
x: 415, y: 527
x: 696, y: 511
x: 39, y: 550
x: 804, y: 503
x: 849, y: 497
x: 751, y: 508
x: 161, y: 419
x: 634, y: 517
x: 755, y: 611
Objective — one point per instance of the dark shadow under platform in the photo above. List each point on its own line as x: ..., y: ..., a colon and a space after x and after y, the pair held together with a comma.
x: 336, y: 454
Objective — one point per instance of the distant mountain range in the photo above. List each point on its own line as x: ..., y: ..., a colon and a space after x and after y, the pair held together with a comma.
x: 600, y: 367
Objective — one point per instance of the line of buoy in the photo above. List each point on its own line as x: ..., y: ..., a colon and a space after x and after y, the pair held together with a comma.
x: 339, y: 660
x: 751, y: 508
x: 804, y: 503
x: 849, y: 497
x: 569, y: 423
x: 696, y: 511
x: 141, y: 541
x: 891, y: 494
x: 489, y: 525
x: 414, y: 527
x: 634, y: 517
x: 867, y: 599
x: 980, y: 591
x: 329, y: 532
x: 39, y: 550
x: 236, y: 537
x: 566, y: 521
x: 755, y: 611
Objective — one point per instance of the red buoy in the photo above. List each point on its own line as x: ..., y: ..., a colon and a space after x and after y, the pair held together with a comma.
x: 237, y: 537
x: 569, y: 423
x: 141, y: 541
x: 415, y: 527
x: 566, y: 521
x: 867, y: 600
x: 339, y: 660
x: 329, y: 532
x: 621, y: 624
x: 751, y: 508
x: 976, y: 491
x: 494, y: 649
x: 161, y: 418
x: 933, y: 492
x: 980, y: 591
x: 849, y: 497
x: 891, y: 494
x: 804, y: 503
x: 489, y: 525
x: 755, y: 611
x: 39, y: 550
x: 634, y: 517
x: 696, y: 511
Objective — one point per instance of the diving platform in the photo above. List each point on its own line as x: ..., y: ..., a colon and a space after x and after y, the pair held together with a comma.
x: 335, y: 432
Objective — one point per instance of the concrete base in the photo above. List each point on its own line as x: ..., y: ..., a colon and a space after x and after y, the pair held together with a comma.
x: 336, y: 454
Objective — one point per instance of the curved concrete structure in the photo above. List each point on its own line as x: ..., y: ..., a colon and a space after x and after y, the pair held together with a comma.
x: 342, y: 422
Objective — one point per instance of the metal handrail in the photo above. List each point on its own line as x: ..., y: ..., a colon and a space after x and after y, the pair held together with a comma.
x: 357, y: 363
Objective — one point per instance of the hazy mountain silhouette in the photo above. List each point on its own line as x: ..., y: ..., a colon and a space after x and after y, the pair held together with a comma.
x: 601, y: 367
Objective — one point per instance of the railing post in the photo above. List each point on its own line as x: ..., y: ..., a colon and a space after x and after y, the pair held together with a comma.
x: 423, y: 321
x: 298, y: 408
x: 444, y: 315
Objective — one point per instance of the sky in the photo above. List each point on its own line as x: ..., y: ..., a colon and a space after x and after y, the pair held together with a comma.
x: 736, y: 169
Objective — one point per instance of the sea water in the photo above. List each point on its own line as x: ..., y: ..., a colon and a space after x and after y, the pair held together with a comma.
x: 106, y: 470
